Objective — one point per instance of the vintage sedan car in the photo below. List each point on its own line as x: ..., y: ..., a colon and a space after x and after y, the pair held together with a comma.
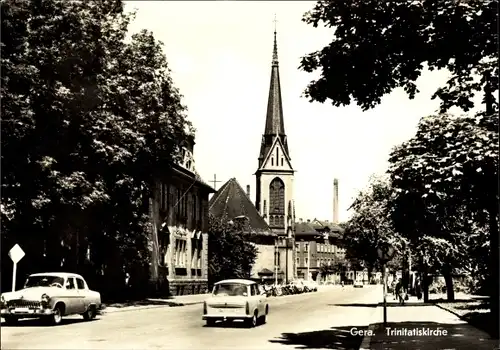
x: 50, y: 296
x: 236, y: 299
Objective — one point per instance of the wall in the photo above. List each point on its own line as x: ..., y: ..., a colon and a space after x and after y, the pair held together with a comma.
x: 265, y: 259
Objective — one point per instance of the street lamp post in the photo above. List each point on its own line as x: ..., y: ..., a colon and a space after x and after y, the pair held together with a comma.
x: 385, y: 254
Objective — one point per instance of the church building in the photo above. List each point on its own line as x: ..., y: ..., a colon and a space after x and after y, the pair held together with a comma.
x: 271, y: 220
x: 275, y: 174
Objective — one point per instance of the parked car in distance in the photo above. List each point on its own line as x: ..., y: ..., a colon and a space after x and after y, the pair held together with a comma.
x: 50, y: 296
x: 311, y: 286
x: 236, y: 299
x: 358, y: 284
x: 299, y: 285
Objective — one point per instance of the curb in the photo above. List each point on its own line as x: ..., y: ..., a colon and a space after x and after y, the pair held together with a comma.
x: 146, y: 307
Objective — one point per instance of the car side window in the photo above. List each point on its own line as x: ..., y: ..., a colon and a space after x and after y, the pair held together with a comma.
x: 80, y: 284
x: 254, y: 289
x: 70, y: 283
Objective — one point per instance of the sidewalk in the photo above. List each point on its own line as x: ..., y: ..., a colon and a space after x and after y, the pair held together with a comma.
x: 439, y: 329
x: 181, y: 300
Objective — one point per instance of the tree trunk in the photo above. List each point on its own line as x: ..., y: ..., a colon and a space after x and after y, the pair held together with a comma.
x: 450, y: 292
x: 425, y: 286
x: 494, y: 246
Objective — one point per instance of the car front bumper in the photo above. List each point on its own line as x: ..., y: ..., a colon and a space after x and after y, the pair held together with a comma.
x: 26, y: 312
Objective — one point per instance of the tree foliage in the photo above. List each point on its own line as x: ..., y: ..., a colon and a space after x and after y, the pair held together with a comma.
x: 371, y: 225
x: 444, y: 180
x: 379, y: 46
x: 230, y: 254
x: 88, y: 118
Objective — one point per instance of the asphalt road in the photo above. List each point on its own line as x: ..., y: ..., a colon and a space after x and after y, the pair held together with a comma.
x: 312, y: 320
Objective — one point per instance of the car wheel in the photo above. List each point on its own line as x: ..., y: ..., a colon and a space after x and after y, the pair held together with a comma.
x: 89, y: 314
x: 56, y: 318
x: 263, y: 319
x: 11, y: 320
x: 210, y: 322
x: 253, y: 321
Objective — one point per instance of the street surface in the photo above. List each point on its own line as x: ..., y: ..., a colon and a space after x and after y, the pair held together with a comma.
x: 296, y: 321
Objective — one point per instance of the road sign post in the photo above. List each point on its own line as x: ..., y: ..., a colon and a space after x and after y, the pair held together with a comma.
x: 385, y: 254
x: 15, y: 254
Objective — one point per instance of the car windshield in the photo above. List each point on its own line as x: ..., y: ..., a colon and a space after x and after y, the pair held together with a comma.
x: 44, y: 281
x: 230, y: 289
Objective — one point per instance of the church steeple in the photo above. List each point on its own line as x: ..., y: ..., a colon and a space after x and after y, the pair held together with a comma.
x: 275, y: 125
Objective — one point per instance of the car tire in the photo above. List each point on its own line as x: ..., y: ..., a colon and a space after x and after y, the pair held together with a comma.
x: 11, y: 320
x: 89, y: 314
x: 56, y: 317
x: 263, y: 319
x: 210, y: 322
x: 252, y: 322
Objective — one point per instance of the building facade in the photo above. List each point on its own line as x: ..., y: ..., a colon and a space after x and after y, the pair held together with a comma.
x: 179, y: 220
x: 232, y: 203
x: 275, y: 175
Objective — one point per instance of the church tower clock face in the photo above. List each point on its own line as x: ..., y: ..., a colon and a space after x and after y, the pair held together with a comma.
x: 274, y: 175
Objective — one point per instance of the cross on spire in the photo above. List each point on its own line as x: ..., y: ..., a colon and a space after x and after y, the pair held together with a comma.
x: 214, y: 181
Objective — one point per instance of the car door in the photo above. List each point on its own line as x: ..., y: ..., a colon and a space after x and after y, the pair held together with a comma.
x: 257, y: 298
x: 262, y: 301
x: 82, y: 294
x: 71, y: 297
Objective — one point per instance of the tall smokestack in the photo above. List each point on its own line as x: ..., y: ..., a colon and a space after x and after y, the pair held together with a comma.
x: 248, y: 191
x: 335, y: 201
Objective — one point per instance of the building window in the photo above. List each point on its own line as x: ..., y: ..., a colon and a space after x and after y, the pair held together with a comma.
x: 272, y: 161
x: 306, y: 245
x: 307, y: 261
x: 298, y: 261
x: 265, y: 207
x: 281, y: 161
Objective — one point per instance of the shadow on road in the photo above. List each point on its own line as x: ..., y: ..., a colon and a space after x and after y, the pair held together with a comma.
x: 432, y: 336
x: 438, y: 336
x: 389, y: 304
x: 41, y: 323
x: 334, y: 338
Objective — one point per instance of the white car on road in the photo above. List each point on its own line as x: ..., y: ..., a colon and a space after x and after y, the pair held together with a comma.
x: 50, y: 296
x: 236, y: 299
x: 358, y: 284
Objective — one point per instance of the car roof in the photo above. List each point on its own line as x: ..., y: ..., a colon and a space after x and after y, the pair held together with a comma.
x: 57, y: 274
x: 236, y: 280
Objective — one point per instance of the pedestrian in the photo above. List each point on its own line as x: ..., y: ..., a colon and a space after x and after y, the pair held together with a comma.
x: 418, y: 289
x: 401, y: 291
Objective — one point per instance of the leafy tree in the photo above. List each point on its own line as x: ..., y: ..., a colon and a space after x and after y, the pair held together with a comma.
x: 87, y: 121
x: 388, y: 44
x: 379, y: 46
x: 230, y: 254
x: 371, y: 225
x: 443, y: 179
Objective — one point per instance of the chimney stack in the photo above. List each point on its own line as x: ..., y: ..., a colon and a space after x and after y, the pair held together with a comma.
x: 248, y: 191
x: 335, y: 201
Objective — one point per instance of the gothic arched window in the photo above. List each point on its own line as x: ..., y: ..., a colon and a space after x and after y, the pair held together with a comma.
x: 277, y: 201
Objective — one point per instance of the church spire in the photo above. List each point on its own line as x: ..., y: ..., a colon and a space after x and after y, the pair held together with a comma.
x: 275, y: 125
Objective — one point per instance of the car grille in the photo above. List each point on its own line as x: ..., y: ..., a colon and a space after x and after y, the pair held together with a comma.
x: 24, y: 303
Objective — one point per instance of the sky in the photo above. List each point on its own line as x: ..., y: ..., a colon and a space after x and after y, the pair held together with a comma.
x: 220, y: 56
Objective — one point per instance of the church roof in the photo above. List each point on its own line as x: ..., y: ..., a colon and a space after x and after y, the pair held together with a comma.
x: 275, y: 125
x: 231, y: 201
